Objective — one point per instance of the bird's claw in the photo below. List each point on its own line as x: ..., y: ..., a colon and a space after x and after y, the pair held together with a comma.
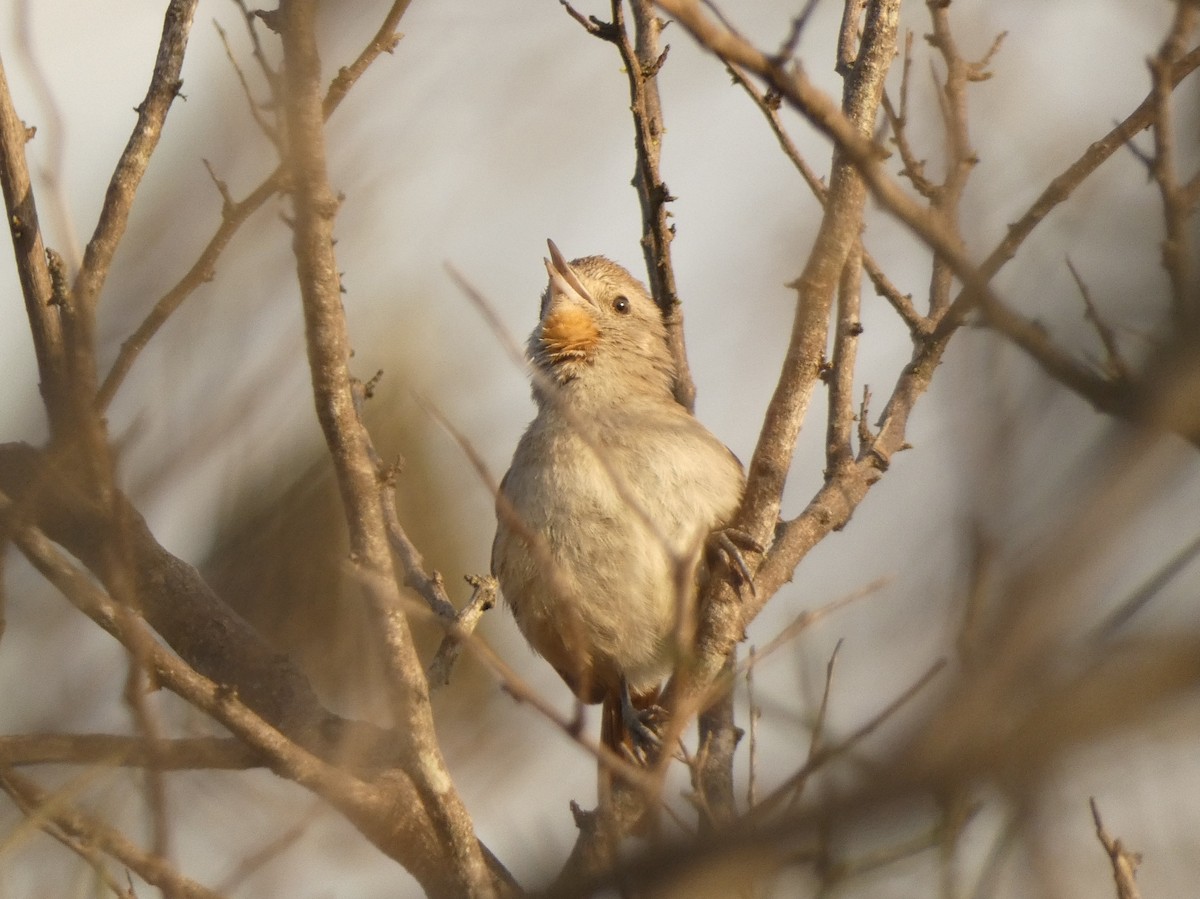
x: 730, y: 544
x: 643, y: 727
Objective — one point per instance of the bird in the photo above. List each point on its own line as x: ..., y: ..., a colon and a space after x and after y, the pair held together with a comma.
x: 612, y: 494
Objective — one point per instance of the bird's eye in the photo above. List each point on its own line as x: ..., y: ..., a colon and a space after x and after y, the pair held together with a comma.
x: 621, y: 304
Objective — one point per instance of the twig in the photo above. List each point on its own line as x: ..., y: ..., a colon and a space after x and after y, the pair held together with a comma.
x: 848, y: 35
x: 1124, y: 862
x: 233, y: 216
x: 825, y: 752
x: 1149, y: 589
x: 152, y: 113
x: 911, y: 167
x: 32, y: 268
x: 810, y: 617
x: 84, y: 834
x: 270, y: 74
x: 270, y: 131
x: 385, y: 40
x: 961, y: 157
x: 1177, y: 248
x: 816, y: 740
x: 642, y: 61
x: 769, y: 106
x: 218, y: 753
x: 1114, y: 363
x: 358, y: 477
x: 483, y: 597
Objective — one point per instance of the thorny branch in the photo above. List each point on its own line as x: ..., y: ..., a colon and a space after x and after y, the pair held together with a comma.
x: 642, y: 61
x: 315, y: 206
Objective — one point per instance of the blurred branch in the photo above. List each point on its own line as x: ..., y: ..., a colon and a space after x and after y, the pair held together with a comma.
x: 371, y: 807
x: 1178, y: 249
x: 1114, y: 362
x: 820, y: 753
x: 269, y: 131
x: 85, y: 834
x: 106, y: 749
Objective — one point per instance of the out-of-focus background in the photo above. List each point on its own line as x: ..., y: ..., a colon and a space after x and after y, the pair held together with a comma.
x: 492, y: 127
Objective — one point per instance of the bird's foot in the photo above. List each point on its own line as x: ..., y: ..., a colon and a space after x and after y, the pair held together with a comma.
x: 731, y: 544
x: 643, y: 726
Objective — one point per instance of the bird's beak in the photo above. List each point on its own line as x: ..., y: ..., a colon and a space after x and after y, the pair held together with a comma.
x: 568, y: 329
x: 563, y: 279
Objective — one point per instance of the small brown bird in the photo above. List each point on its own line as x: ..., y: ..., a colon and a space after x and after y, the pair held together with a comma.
x: 613, y: 486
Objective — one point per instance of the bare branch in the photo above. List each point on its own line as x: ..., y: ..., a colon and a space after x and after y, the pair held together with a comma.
x: 90, y: 832
x: 233, y: 216
x: 385, y: 40
x: 1124, y: 862
x: 358, y: 477
x: 152, y: 113
x: 32, y: 268
x: 267, y: 128
x: 106, y: 749
x: 1114, y: 363
x: 768, y: 104
x: 1177, y: 247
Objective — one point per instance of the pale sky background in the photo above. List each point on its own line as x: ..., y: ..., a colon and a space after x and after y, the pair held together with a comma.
x: 491, y: 128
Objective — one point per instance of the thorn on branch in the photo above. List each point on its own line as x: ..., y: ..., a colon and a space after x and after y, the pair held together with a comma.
x: 651, y: 70
x: 662, y: 195
x: 1146, y: 159
x: 370, y: 385
x: 864, y: 430
x: 227, y: 201
x: 60, y: 285
x: 270, y: 18
x: 30, y: 132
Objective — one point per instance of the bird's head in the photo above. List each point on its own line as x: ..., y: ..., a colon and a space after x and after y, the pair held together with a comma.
x: 600, y: 331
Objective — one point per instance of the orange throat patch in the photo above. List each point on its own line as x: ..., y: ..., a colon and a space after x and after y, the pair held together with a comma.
x: 569, y: 333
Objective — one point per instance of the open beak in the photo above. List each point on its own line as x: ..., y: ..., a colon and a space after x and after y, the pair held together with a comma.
x: 568, y: 330
x: 563, y: 279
